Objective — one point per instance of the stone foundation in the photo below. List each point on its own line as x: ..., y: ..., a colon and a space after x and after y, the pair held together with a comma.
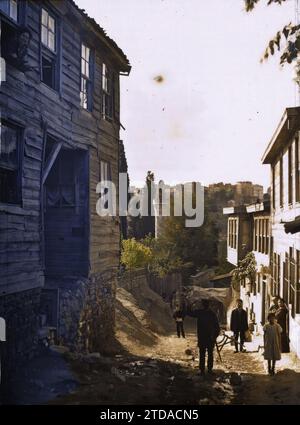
x: 87, y: 314
x: 21, y: 313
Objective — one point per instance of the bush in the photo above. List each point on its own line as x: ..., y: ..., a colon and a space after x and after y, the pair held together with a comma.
x: 135, y: 255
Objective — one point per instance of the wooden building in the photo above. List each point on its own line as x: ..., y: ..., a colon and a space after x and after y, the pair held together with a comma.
x: 283, y: 156
x: 60, y: 121
x: 239, y: 241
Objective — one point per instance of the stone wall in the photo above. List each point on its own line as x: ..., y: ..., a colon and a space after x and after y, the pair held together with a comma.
x: 21, y: 313
x: 87, y: 314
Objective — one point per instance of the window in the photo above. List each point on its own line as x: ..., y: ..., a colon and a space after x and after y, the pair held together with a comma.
x: 297, y: 171
x: 105, y: 175
x: 48, y: 71
x: 255, y: 236
x: 273, y: 188
x: 297, y: 284
x: 286, y: 278
x: 10, y: 176
x: 267, y: 236
x: 10, y: 7
x: 48, y: 30
x: 281, y: 182
x: 60, y: 188
x: 290, y: 175
x: 261, y: 237
x: 275, y: 275
x: 292, y: 289
x: 105, y: 171
x: 86, y: 82
x: 49, y: 57
x: 232, y: 232
x: 107, y: 93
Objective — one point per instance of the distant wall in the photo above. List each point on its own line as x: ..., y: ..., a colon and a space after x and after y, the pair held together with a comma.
x: 165, y: 286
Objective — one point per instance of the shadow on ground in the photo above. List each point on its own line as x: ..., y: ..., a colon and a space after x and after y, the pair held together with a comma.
x: 261, y: 389
x: 40, y: 380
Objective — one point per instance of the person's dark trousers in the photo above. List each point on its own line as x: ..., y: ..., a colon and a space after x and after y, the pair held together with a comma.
x: 180, y: 330
x: 209, y: 347
x: 237, y: 335
x: 271, y: 367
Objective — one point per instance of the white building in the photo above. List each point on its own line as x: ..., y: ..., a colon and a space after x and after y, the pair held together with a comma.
x: 283, y: 156
x: 249, y: 231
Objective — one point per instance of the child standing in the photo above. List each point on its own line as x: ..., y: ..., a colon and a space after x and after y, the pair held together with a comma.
x: 272, y: 342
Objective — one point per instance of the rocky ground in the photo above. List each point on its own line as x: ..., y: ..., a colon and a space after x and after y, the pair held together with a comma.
x: 148, y: 364
x: 168, y: 374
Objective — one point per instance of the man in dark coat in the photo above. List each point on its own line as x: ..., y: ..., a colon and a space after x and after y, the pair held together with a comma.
x: 179, y: 318
x: 208, y: 329
x: 239, y: 325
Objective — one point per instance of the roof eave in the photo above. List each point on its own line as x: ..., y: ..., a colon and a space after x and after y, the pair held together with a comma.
x: 124, y: 64
x: 283, y: 131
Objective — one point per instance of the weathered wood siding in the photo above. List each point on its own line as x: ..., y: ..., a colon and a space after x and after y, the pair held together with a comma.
x: 32, y: 105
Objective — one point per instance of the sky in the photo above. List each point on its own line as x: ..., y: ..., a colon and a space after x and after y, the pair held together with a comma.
x: 216, y: 109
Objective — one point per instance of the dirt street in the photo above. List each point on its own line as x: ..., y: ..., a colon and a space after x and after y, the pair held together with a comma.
x: 168, y: 374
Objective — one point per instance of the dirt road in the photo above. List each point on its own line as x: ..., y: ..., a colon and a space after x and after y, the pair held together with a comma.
x: 168, y: 374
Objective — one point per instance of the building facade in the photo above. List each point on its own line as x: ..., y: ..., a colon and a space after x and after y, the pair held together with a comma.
x: 60, y: 120
x: 282, y: 155
x: 249, y: 231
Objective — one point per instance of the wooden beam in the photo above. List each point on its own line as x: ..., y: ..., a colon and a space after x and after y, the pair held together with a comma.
x: 51, y: 160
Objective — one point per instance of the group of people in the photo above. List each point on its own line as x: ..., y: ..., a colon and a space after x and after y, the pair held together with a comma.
x: 276, y: 340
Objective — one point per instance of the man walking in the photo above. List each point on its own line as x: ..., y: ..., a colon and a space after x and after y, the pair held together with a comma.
x: 179, y: 317
x: 208, y: 329
x: 239, y: 325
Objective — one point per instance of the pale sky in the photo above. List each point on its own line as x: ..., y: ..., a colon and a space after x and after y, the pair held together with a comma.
x: 217, y: 108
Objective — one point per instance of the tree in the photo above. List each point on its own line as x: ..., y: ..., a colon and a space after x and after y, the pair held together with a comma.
x: 286, y: 40
x: 135, y: 255
x: 150, y: 254
x: 246, y: 269
x: 143, y: 225
x: 163, y: 259
x: 196, y: 247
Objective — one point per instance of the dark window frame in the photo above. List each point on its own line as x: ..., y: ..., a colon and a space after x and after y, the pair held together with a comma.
x: 297, y: 171
x: 108, y: 92
x: 106, y: 178
x: 48, y: 54
x: 293, y: 284
x: 281, y: 197
x: 20, y: 156
x: 19, y: 10
x: 60, y: 184
x: 297, y: 283
x: 13, y: 27
x: 88, y: 79
x: 273, y: 188
x: 232, y: 232
x: 290, y: 176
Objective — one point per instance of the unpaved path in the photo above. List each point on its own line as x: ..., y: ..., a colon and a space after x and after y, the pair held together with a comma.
x: 168, y: 374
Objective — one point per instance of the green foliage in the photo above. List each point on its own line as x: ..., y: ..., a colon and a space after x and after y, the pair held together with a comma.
x: 250, y: 4
x: 195, y: 246
x: 164, y: 261
x: 246, y: 268
x: 135, y: 255
x: 149, y: 253
x: 286, y: 40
